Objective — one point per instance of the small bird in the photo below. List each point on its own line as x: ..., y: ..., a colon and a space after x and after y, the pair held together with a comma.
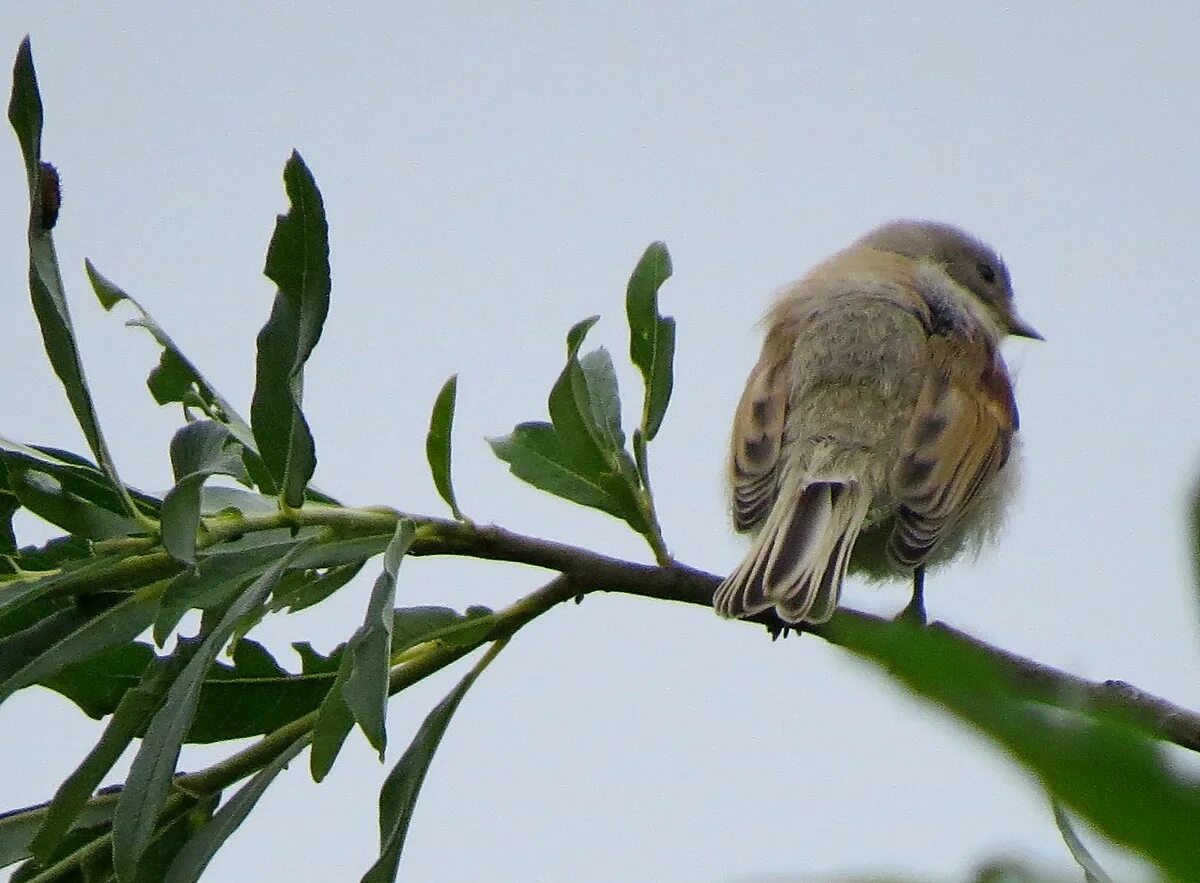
x: 878, y: 429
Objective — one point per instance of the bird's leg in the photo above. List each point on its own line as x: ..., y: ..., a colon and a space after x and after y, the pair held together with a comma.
x: 914, y: 612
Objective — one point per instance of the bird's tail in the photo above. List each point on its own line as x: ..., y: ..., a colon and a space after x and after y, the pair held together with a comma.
x: 799, y: 558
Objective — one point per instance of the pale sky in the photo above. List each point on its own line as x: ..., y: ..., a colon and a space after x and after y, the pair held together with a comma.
x: 491, y: 174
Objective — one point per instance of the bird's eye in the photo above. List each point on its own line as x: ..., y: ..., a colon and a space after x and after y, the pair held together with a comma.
x: 986, y: 272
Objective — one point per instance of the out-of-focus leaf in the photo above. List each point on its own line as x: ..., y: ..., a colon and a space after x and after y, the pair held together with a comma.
x: 219, y: 575
x: 173, y: 835
x: 45, y: 279
x: 1195, y: 532
x: 298, y: 263
x: 198, y: 450
x: 98, y: 685
x: 256, y: 695
x: 1104, y: 770
x: 311, y: 587
x: 44, y: 495
x: 415, y: 625
x: 437, y: 444
x: 398, y: 796
x: 370, y: 650
x: 114, y: 627
x: 193, y: 858
x: 1092, y: 872
x: 15, y: 593
x: 651, y: 335
x: 77, y: 475
x: 18, y: 827
x: 20, y: 646
x: 129, y: 719
x: 334, y: 723
x: 150, y: 775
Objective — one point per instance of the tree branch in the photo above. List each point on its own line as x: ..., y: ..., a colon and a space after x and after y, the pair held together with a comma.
x: 590, y: 571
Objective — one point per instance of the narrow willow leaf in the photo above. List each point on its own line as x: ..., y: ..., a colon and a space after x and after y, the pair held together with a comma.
x: 398, y: 796
x: 16, y: 593
x: 20, y: 646
x: 1092, y: 872
x: 129, y: 719
x: 149, y: 777
x: 45, y: 280
x: 1104, y: 770
x: 298, y: 263
x: 18, y: 827
x: 437, y: 444
x: 76, y: 475
x: 114, y: 627
x: 191, y: 861
x: 651, y: 335
x: 366, y: 689
x: 177, y: 379
x: 334, y: 723
x: 174, y: 833
x: 45, y: 496
x: 218, y: 576
x: 312, y: 587
x: 198, y: 451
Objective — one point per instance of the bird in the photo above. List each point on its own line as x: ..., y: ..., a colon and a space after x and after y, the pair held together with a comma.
x: 877, y: 432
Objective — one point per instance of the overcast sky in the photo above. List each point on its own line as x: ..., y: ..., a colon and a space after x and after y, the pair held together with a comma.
x: 491, y: 174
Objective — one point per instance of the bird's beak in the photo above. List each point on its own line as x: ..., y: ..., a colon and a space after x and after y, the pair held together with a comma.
x: 1018, y: 327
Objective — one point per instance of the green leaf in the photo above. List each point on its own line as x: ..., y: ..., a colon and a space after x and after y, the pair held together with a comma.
x: 129, y: 720
x: 198, y: 450
x: 1104, y: 770
x: 75, y: 475
x: 45, y: 280
x: 651, y: 335
x: 579, y: 456
x: 398, y: 796
x: 150, y: 776
x: 334, y: 723
x: 46, y: 496
x: 437, y: 444
x: 191, y: 861
x: 415, y: 625
x: 602, y: 398
x: 255, y: 696
x: 218, y: 576
x: 370, y: 650
x: 115, y: 627
x: 16, y: 593
x: 177, y: 379
x: 571, y: 412
x: 18, y: 827
x: 298, y: 263
x: 536, y: 454
x: 98, y: 684
x: 312, y: 587
x: 1092, y: 872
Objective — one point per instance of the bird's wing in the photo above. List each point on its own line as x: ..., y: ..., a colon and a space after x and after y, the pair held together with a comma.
x: 959, y: 438
x: 758, y: 439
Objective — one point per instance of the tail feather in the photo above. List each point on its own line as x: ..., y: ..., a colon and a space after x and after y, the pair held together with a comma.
x: 799, y: 558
